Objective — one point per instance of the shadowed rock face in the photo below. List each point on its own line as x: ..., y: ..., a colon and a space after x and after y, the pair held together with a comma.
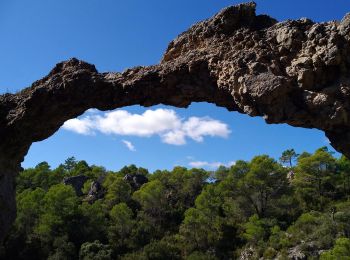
x: 294, y: 72
x: 77, y: 182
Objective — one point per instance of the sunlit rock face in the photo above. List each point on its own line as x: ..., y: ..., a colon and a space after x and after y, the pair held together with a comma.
x: 294, y: 72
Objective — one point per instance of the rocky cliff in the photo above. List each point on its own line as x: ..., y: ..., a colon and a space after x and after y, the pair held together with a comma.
x: 294, y: 72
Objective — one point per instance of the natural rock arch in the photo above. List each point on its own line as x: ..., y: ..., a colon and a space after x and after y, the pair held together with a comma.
x: 294, y: 72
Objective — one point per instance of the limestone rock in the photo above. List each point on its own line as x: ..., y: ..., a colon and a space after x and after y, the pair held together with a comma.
x: 96, y: 192
x: 77, y: 182
x: 135, y: 180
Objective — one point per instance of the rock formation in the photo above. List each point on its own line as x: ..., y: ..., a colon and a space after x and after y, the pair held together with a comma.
x: 96, y: 192
x: 77, y: 182
x: 294, y: 72
x: 135, y: 180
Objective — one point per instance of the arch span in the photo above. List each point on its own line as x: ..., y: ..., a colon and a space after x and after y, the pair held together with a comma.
x: 294, y: 72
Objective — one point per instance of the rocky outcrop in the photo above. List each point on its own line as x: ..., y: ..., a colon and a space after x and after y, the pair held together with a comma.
x: 77, y: 182
x: 96, y: 192
x: 135, y: 180
x: 294, y: 72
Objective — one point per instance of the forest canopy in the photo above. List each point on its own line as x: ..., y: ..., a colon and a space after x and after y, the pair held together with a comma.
x: 298, y: 206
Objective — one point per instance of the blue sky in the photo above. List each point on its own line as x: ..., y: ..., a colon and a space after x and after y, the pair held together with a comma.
x: 115, y: 35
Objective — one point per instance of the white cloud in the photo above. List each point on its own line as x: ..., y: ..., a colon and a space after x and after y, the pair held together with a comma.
x: 80, y: 126
x: 175, y: 137
x: 210, y: 165
x: 129, y: 145
x: 196, y: 128
x: 162, y: 122
x: 151, y: 122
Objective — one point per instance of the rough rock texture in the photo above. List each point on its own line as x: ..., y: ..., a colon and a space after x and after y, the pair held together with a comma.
x: 294, y: 72
x: 135, y: 180
x: 96, y: 192
x: 77, y: 182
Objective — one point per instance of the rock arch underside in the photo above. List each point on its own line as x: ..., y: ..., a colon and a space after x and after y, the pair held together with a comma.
x: 294, y: 72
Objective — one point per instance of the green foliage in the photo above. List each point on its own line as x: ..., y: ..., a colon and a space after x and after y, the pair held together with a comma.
x: 200, y: 230
x: 95, y: 251
x: 341, y: 250
x: 93, y: 221
x: 262, y: 185
x: 200, y: 256
x: 60, y: 205
x: 131, y: 169
x: 250, y: 210
x: 313, y: 231
x: 344, y: 182
x: 63, y: 249
x: 254, y: 230
x: 29, y: 207
x: 39, y: 177
x: 288, y: 157
x: 165, y: 248
x: 315, y: 180
x: 120, y: 227
x: 117, y: 190
x: 151, y: 197
x: 239, y: 169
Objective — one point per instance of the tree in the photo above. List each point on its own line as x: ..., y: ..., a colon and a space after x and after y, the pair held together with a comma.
x: 69, y: 163
x: 239, y: 169
x: 341, y: 250
x: 250, y: 211
x: 314, y: 230
x: 288, y: 156
x: 81, y: 168
x: 263, y: 183
x: 315, y: 179
x: 254, y: 230
x: 29, y: 205
x: 221, y: 173
x: 166, y: 248
x: 95, y: 251
x: 181, y: 187
x: 344, y: 167
x: 93, y: 220
x: 40, y: 176
x: 60, y: 209
x: 120, y: 227
x: 211, y: 226
x: 22, y: 242
x: 63, y: 249
x: 152, y: 200
x: 131, y: 169
x: 196, y: 255
x: 200, y: 230
x: 118, y: 190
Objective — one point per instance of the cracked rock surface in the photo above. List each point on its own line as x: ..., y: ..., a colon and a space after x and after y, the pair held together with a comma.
x: 295, y: 72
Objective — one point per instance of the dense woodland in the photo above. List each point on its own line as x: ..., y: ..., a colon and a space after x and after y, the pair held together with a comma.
x: 296, y: 207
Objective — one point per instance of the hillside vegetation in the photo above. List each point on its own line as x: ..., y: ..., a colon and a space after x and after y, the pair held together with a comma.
x: 298, y: 207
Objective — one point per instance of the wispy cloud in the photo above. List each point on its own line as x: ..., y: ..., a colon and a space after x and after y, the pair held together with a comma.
x: 129, y: 145
x: 162, y: 122
x: 209, y: 165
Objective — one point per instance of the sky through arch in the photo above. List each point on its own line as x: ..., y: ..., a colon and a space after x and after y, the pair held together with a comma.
x: 115, y: 35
